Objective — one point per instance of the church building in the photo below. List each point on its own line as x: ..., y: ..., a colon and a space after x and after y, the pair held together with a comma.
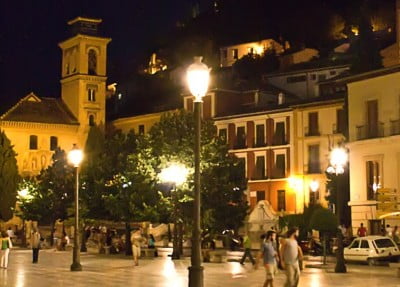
x: 36, y: 126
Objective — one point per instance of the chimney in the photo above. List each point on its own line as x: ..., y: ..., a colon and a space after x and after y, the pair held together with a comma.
x: 281, y: 99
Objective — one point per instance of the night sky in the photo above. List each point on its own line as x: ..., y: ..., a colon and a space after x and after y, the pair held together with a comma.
x: 30, y: 59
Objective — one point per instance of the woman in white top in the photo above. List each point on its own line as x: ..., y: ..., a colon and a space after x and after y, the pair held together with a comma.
x: 6, y: 245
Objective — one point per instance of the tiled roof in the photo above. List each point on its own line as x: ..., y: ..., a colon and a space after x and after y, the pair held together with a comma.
x: 40, y: 110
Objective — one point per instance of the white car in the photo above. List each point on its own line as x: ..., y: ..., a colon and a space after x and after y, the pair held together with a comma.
x: 371, y: 249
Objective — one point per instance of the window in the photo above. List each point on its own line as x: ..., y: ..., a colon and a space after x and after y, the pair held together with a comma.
x: 91, y: 120
x: 53, y: 143
x: 340, y: 121
x: 321, y: 77
x: 260, y: 195
x: 141, y: 129
x: 281, y: 200
x: 332, y: 73
x: 241, y: 137
x: 222, y: 134
x: 355, y: 244
x: 224, y: 53
x: 313, y: 77
x: 372, y: 119
x: 364, y: 244
x: 260, y: 135
x: 384, y: 243
x: 33, y: 142
x: 259, y: 172
x: 314, y: 197
x: 91, y: 95
x: 296, y: 79
x: 92, y: 62
x: 279, y: 136
x: 372, y: 177
x: 314, y: 165
x: 280, y: 166
x: 235, y: 54
x: 313, y: 124
x: 242, y: 165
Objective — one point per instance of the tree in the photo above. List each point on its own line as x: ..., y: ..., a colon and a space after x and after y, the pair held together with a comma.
x: 52, y: 193
x: 365, y: 49
x: 325, y: 222
x: 223, y: 182
x: 9, y: 178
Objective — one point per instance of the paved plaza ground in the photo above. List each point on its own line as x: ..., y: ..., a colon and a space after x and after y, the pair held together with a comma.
x: 114, y: 270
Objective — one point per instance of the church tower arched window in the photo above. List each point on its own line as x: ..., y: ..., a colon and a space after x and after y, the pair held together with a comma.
x: 92, y: 62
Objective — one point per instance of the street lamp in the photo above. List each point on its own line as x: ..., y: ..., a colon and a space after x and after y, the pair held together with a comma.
x: 198, y: 75
x: 75, y: 157
x: 175, y: 174
x: 338, y: 161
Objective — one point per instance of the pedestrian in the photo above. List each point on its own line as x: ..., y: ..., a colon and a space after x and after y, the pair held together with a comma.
x: 35, y: 245
x: 136, y: 241
x: 270, y: 257
x: 6, y: 245
x: 395, y: 234
x: 362, y: 231
x: 388, y: 230
x: 291, y: 254
x: 152, y: 244
x: 247, y: 250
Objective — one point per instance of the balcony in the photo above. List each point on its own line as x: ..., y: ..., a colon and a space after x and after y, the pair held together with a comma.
x: 395, y: 127
x: 312, y: 132
x: 240, y: 145
x: 314, y: 167
x: 279, y: 140
x: 278, y: 173
x: 370, y: 131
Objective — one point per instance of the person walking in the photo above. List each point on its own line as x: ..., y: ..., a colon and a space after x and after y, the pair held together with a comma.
x: 136, y: 241
x: 35, y: 245
x: 362, y: 231
x: 247, y: 250
x: 270, y: 256
x: 6, y: 245
x: 291, y: 254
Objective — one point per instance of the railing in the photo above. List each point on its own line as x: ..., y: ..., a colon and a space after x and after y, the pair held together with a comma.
x: 312, y: 132
x: 314, y: 168
x: 260, y: 143
x: 395, y: 127
x: 279, y: 140
x: 240, y: 145
x: 370, y: 132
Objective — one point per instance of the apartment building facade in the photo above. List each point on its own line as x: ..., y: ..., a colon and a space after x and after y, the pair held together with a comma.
x: 374, y: 147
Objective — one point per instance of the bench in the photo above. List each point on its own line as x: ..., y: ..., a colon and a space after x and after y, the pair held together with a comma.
x: 148, y: 252
x: 395, y: 265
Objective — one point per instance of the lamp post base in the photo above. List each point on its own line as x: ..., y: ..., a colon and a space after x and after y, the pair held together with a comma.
x: 76, y: 266
x: 196, y: 276
x: 340, y: 263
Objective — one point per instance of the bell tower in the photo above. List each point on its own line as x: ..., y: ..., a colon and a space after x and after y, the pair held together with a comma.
x: 83, y: 72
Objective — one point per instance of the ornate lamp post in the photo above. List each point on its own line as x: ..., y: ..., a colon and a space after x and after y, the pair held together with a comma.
x: 198, y: 75
x: 175, y: 174
x: 75, y: 157
x: 338, y: 162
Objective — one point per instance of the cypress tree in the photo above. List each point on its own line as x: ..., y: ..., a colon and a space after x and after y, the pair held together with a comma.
x: 9, y: 178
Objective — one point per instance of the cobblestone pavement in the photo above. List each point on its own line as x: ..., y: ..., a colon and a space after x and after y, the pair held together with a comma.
x: 111, y: 270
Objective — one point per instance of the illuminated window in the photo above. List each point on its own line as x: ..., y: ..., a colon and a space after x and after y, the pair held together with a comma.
x: 33, y: 142
x: 91, y: 95
x: 235, y: 54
